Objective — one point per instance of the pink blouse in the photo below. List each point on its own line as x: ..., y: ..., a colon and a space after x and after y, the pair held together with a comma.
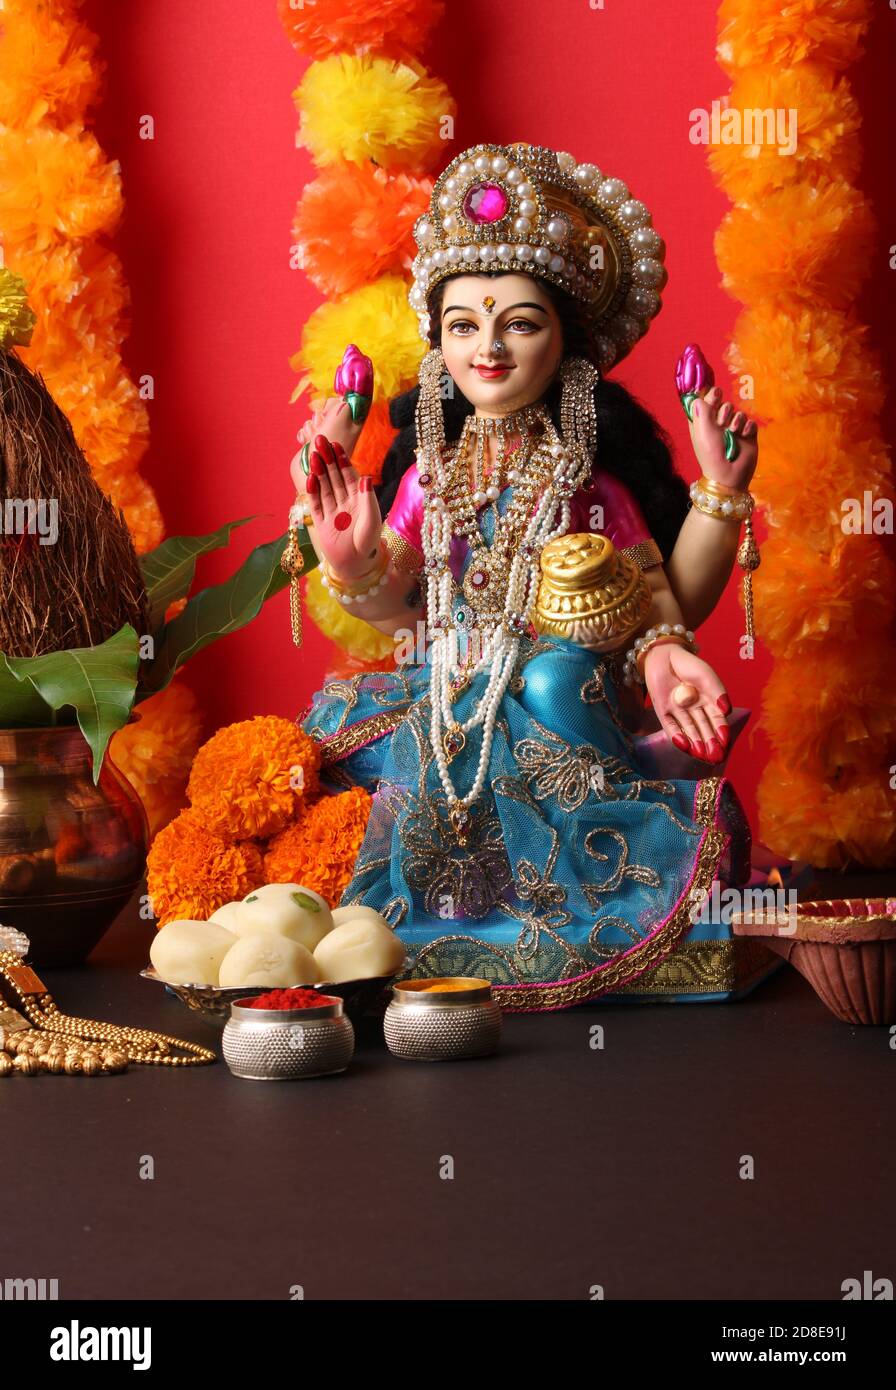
x: 604, y: 505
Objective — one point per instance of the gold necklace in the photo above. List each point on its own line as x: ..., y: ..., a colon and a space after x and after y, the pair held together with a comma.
x: 43, y: 1015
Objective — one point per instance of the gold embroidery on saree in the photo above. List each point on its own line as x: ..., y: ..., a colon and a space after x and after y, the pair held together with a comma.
x: 705, y: 967
x: 454, y: 883
x: 563, y: 994
x: 641, y: 873
x: 348, y: 741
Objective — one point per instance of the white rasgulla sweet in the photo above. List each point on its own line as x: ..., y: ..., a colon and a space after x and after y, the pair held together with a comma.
x: 188, y: 952
x: 341, y: 915
x: 265, y: 958
x: 227, y: 915
x: 359, y: 950
x: 287, y: 909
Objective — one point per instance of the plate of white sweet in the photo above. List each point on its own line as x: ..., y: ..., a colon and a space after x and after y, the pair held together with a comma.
x: 280, y: 935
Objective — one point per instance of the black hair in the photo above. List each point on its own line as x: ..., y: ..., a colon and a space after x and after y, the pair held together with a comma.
x: 632, y: 445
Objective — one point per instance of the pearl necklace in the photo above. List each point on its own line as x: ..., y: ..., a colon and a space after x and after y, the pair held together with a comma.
x: 443, y: 518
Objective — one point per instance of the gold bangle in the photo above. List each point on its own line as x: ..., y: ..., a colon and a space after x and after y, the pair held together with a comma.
x: 717, y: 489
x: 724, y: 505
x: 357, y: 588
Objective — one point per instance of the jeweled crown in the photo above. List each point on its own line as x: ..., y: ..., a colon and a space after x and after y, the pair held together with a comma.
x: 528, y: 208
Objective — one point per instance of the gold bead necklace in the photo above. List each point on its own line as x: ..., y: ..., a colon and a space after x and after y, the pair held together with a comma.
x: 88, y: 1045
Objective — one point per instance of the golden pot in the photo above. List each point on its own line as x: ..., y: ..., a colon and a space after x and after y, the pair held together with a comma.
x: 586, y: 583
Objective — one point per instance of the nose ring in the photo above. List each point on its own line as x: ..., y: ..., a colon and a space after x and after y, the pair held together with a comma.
x: 498, y: 345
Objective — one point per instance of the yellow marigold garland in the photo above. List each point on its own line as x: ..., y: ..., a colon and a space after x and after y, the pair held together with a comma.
x: 795, y: 250
x: 375, y: 122
x: 60, y: 197
x: 376, y: 315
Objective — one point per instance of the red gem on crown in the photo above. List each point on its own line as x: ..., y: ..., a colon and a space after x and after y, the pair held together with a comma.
x: 485, y: 202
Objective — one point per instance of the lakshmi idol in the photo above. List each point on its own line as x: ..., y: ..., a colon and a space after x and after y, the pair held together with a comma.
x: 530, y: 517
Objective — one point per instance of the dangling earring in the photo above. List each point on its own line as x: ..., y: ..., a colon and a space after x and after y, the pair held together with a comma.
x: 429, y: 414
x: 578, y: 415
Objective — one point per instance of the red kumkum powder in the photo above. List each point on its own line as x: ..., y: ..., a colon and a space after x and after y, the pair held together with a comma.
x: 291, y: 999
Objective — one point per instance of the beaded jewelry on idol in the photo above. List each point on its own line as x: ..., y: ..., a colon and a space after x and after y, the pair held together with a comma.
x: 501, y: 580
x: 633, y: 669
x: 361, y: 588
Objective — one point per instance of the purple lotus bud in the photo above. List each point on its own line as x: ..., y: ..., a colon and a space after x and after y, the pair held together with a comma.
x: 354, y: 373
x: 692, y: 372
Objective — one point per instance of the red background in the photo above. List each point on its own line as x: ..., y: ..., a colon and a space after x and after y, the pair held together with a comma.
x: 217, y: 310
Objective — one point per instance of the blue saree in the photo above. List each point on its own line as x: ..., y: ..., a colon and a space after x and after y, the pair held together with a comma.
x: 583, y: 874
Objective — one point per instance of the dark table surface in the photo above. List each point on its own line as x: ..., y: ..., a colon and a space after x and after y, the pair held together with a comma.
x: 573, y: 1166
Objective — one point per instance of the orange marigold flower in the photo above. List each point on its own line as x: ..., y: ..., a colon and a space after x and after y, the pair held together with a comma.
x: 803, y: 358
x: 765, y: 33
x: 807, y: 598
x: 250, y: 779
x: 387, y: 26
x: 355, y: 222
x: 320, y: 850
x: 822, y: 138
x: 829, y: 825
x: 191, y: 872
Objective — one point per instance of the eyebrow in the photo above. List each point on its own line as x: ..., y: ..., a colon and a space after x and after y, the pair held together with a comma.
x: 525, y: 305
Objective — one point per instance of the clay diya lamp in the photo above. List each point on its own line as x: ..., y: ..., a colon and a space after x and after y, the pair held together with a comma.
x: 844, y: 947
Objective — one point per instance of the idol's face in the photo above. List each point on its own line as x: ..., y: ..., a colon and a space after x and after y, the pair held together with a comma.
x: 477, y: 312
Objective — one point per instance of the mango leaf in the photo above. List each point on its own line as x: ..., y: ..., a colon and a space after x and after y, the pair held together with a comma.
x: 169, y: 570
x: 219, y: 610
x: 20, y: 705
x: 99, y: 682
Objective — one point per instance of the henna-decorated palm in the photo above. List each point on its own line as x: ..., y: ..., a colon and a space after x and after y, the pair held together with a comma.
x: 689, y: 699
x: 344, y: 510
x: 710, y: 417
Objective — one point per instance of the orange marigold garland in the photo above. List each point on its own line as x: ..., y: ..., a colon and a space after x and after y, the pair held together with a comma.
x: 154, y: 752
x: 795, y: 249
x: 60, y: 198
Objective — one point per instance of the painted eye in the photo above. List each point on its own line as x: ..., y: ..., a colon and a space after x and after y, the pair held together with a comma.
x: 524, y: 326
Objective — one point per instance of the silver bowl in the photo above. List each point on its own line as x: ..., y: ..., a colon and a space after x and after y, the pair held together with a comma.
x: 212, y: 1002
x: 423, y: 1024
x: 287, y: 1044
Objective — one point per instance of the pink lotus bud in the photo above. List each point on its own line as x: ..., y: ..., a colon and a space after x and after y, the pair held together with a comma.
x: 354, y: 373
x: 692, y: 372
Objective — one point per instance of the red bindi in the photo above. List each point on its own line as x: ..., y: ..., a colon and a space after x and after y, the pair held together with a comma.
x: 342, y: 520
